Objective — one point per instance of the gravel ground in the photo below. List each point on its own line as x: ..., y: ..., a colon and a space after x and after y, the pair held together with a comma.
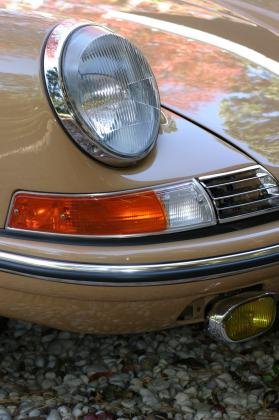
x: 176, y: 374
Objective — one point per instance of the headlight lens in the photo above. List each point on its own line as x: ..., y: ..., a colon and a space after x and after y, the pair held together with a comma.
x: 104, y: 92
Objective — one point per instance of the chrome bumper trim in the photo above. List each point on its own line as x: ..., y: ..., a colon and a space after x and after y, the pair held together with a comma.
x: 140, y: 274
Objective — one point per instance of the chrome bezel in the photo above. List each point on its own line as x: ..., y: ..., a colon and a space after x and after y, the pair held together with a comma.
x: 243, y: 216
x: 223, y: 308
x: 53, y: 77
x: 158, y: 188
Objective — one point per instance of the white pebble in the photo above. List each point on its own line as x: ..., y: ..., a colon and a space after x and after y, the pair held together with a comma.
x: 128, y: 404
x: 4, y: 414
x: 34, y: 413
x: 54, y: 415
x: 233, y: 413
x: 47, y: 384
x: 47, y: 338
x: 64, y: 411
x: 182, y: 398
x: 50, y: 375
x: 39, y: 362
x: 77, y: 412
x: 187, y: 410
x: 149, y: 398
x: 231, y: 400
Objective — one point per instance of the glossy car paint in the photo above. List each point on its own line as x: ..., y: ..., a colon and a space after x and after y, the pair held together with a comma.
x: 211, y: 64
x: 204, y: 75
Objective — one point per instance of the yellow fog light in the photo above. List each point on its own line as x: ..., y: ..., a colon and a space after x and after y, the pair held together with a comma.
x: 242, y: 316
x: 250, y: 318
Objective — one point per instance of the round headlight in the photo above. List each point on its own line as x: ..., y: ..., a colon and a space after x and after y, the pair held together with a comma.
x: 103, y: 91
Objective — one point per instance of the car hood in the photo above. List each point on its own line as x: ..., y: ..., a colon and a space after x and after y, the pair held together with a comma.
x: 214, y: 66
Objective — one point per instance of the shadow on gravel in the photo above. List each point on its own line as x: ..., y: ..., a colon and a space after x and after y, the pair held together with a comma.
x: 175, y: 374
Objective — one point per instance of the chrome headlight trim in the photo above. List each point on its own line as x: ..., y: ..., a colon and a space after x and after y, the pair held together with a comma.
x: 63, y: 108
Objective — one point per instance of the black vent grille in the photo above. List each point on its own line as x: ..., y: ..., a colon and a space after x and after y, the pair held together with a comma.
x: 244, y: 193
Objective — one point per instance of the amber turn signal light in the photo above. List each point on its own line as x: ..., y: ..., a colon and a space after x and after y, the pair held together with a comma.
x: 169, y: 208
x: 131, y: 213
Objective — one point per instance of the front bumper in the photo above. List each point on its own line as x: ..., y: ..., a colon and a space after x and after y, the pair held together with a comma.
x: 61, y: 294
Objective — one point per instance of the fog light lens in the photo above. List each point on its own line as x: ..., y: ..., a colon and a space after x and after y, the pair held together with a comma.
x: 250, y: 319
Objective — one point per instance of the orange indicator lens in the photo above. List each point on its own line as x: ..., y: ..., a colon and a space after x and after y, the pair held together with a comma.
x: 131, y: 213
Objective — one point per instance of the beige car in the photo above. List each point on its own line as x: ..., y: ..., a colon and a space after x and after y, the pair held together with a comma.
x: 139, y: 165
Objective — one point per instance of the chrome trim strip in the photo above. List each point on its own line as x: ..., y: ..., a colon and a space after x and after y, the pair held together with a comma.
x: 138, y: 274
x: 263, y: 200
x: 238, y: 181
x: 235, y: 171
x: 248, y: 215
x: 241, y: 193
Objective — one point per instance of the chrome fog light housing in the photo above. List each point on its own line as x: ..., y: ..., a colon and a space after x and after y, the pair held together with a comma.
x: 103, y: 91
x: 242, y: 317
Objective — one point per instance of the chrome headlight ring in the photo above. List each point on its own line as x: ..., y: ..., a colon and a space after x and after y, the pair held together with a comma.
x: 108, y: 102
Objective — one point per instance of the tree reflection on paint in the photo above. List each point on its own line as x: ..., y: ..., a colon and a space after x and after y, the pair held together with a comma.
x: 251, y: 113
x: 206, y: 9
x: 190, y: 73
